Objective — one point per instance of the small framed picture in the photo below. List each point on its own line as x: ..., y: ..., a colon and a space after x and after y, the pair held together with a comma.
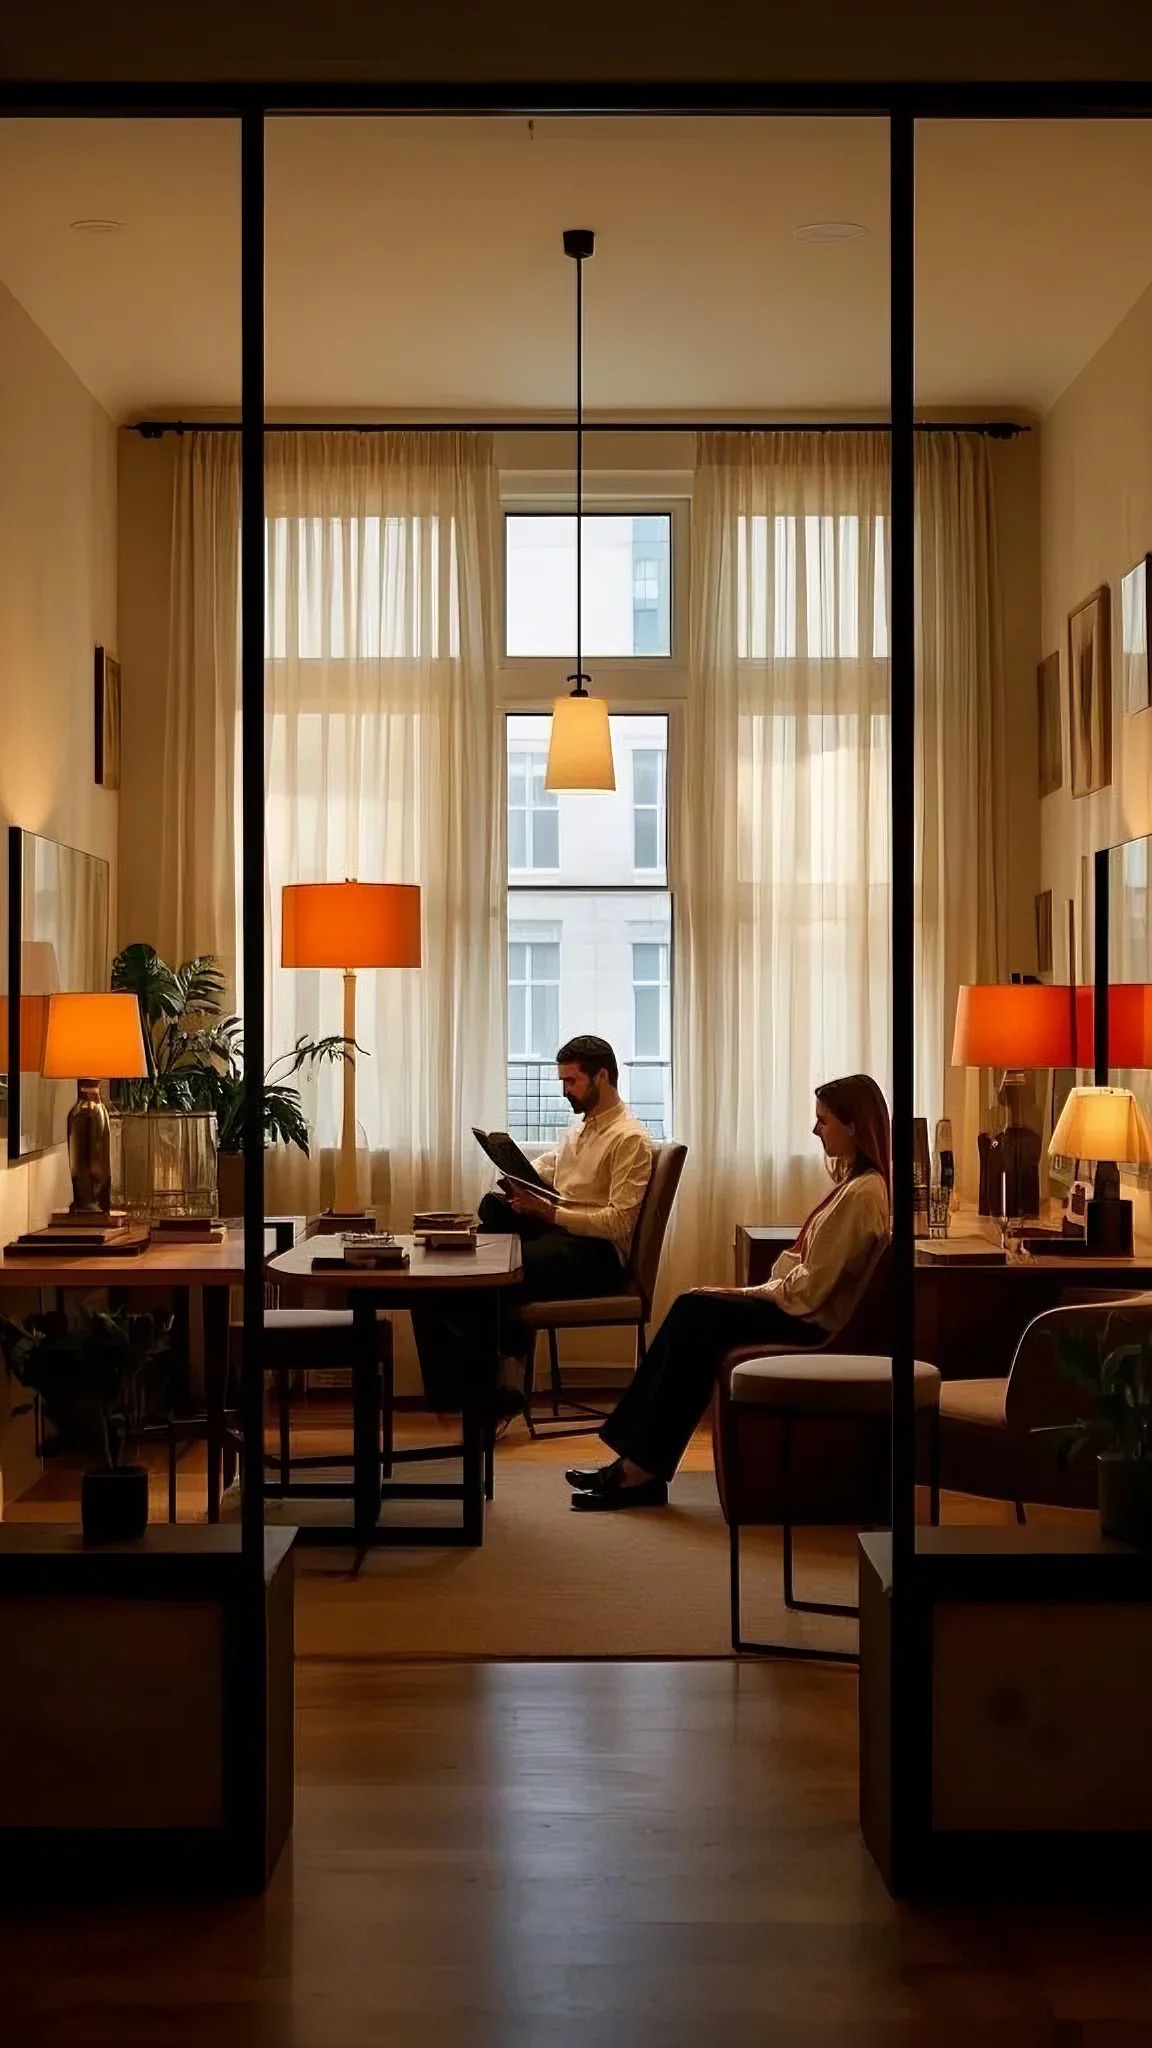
x: 107, y: 719
x: 1044, y: 934
x: 1090, y: 694
x: 1051, y: 750
x: 1136, y: 635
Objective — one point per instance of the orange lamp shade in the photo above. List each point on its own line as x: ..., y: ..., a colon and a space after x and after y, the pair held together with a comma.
x: 1015, y: 1024
x: 33, y: 1027
x: 95, y: 1037
x: 350, y: 924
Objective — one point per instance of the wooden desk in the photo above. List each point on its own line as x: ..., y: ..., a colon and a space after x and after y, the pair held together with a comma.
x: 209, y: 1270
x: 969, y: 1319
x: 490, y: 1270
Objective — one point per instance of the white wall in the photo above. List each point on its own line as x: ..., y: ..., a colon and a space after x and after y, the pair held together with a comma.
x: 57, y: 604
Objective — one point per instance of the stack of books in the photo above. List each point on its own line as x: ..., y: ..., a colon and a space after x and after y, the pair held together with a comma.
x: 444, y: 1230
x: 187, y: 1230
x: 371, y: 1250
x: 75, y: 1237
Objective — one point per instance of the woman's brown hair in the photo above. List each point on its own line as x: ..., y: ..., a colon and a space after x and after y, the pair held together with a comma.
x: 856, y: 1100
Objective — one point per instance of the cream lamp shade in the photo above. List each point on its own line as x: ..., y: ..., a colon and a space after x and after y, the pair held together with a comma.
x: 350, y: 924
x: 94, y: 1036
x: 1102, y: 1123
x: 580, y: 745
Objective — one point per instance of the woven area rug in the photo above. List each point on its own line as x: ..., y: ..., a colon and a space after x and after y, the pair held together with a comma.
x: 550, y: 1583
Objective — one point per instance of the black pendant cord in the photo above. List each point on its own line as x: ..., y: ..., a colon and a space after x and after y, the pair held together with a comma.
x: 578, y: 244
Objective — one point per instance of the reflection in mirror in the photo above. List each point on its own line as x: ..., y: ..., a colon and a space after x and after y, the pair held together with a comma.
x: 58, y: 922
x: 1130, y: 966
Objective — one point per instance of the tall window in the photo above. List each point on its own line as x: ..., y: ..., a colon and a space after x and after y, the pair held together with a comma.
x: 589, y: 946
x: 533, y: 812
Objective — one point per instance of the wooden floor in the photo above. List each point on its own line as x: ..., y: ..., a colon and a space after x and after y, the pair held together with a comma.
x: 576, y: 1855
x: 649, y: 1855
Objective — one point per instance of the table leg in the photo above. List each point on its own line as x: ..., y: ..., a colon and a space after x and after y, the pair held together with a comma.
x: 473, y: 1480
x: 366, y: 1393
x: 216, y: 1335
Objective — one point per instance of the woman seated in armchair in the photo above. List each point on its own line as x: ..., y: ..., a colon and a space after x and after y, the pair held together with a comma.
x: 808, y: 1297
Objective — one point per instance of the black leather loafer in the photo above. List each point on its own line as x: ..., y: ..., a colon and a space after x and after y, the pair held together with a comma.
x: 592, y: 1478
x: 650, y: 1493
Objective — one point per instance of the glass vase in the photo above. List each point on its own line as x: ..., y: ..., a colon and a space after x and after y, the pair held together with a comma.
x: 164, y: 1163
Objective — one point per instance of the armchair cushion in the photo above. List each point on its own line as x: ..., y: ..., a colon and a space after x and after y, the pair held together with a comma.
x: 583, y: 1311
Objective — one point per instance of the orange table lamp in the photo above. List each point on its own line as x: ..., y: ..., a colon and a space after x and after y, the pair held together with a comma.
x: 350, y: 925
x: 92, y: 1038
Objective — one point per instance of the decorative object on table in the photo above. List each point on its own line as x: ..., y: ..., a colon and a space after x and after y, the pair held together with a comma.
x: 105, y: 1376
x: 1013, y: 1026
x: 349, y: 925
x: 366, y: 1250
x: 1111, y: 1363
x: 58, y: 939
x: 91, y: 1038
x: 1044, y: 933
x: 1090, y: 694
x: 444, y: 1230
x: 921, y: 1176
x: 1051, y: 748
x: 1108, y: 1127
x: 170, y: 1164
x: 1135, y: 637
x: 580, y: 742
x: 122, y: 1241
x: 939, y: 1209
x: 108, y: 712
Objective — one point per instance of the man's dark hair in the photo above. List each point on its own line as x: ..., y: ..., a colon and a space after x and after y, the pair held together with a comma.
x: 590, y: 1055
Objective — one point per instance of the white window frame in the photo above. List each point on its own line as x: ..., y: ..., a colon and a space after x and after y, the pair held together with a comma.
x: 530, y: 755
x: 530, y: 933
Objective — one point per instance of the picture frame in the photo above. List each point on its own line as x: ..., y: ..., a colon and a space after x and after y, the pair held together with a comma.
x: 1051, y: 739
x: 1136, y: 635
x: 1090, y: 694
x: 1044, y: 934
x: 108, y: 710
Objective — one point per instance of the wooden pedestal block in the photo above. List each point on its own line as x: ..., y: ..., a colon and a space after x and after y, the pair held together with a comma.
x: 146, y: 1708
x: 1006, y: 1711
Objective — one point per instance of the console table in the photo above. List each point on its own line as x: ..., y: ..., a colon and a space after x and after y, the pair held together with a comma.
x: 969, y: 1318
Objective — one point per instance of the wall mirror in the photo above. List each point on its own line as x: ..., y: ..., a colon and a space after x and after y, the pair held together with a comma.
x: 1129, y: 912
x: 57, y: 940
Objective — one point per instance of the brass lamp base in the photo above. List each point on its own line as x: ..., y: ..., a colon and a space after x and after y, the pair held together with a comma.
x: 90, y: 1152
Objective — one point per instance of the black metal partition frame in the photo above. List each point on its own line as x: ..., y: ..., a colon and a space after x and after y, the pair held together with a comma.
x: 901, y: 105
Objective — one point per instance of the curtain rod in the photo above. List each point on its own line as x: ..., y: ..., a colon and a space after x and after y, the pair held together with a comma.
x: 996, y: 430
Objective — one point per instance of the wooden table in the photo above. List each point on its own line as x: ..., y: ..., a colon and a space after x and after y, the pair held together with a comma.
x: 490, y: 1271
x: 210, y: 1270
x: 970, y: 1318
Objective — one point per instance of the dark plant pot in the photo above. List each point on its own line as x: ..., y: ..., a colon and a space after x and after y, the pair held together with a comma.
x: 1126, y: 1499
x: 230, y: 1183
x: 114, y: 1504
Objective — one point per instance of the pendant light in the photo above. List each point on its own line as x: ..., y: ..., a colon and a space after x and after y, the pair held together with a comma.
x: 580, y: 745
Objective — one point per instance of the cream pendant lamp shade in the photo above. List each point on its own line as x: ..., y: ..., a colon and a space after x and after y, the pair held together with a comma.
x: 580, y: 745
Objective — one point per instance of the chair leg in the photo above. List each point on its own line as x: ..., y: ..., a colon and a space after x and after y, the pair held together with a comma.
x: 489, y: 1461
x: 796, y: 1651
x: 1021, y: 1512
x: 554, y: 1372
x: 285, y: 1418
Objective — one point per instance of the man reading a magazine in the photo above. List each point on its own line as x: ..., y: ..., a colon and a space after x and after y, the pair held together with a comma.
x: 573, y: 1243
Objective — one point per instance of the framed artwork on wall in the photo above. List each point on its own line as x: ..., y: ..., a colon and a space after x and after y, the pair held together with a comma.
x: 1136, y: 636
x: 1051, y: 748
x: 107, y: 719
x: 1090, y: 694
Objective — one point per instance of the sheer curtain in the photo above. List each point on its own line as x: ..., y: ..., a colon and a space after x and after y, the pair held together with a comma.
x: 782, y: 842
x: 383, y: 763
x: 197, y: 893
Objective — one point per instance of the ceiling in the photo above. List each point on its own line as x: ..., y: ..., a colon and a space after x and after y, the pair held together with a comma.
x: 416, y: 265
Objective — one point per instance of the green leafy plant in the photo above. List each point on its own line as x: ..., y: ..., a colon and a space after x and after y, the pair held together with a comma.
x: 195, y: 1053
x: 109, y: 1371
x: 1114, y: 1370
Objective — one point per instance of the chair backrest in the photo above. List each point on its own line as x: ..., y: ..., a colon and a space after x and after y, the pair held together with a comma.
x: 652, y: 1222
x: 1037, y: 1394
x: 867, y: 1328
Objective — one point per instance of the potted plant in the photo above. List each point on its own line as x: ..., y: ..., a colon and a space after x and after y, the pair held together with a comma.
x: 195, y: 1060
x: 111, y: 1369
x: 1113, y: 1368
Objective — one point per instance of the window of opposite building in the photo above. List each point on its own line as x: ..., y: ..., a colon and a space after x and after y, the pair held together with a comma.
x: 590, y: 931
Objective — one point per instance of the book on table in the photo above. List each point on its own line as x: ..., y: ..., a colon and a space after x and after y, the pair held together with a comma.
x: 124, y: 1241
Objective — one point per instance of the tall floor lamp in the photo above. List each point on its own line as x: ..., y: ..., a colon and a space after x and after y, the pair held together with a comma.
x: 349, y: 925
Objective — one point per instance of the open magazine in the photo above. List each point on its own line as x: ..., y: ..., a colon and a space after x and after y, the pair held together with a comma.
x: 505, y: 1154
